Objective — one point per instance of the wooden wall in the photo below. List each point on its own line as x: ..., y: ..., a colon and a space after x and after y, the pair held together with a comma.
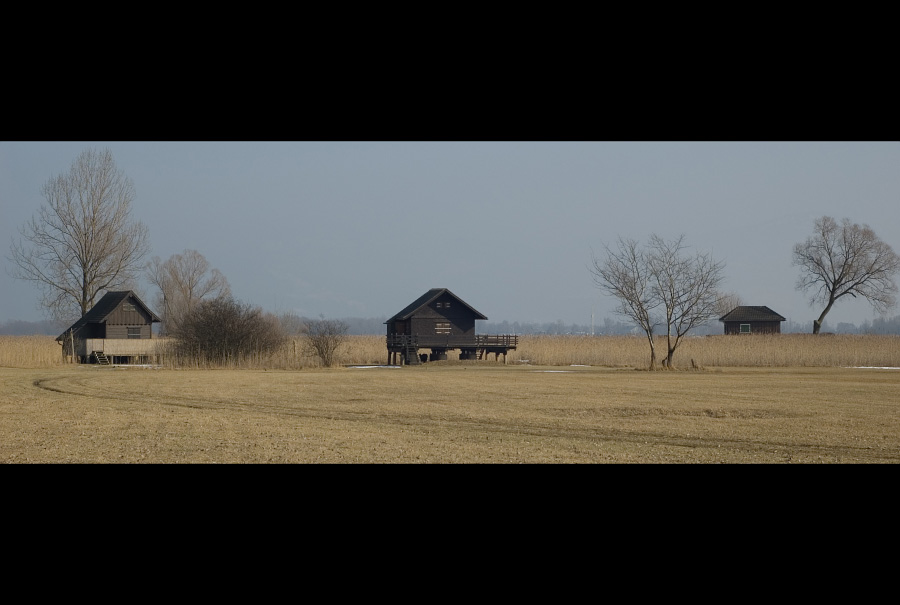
x: 454, y: 318
x: 756, y: 327
x: 128, y: 315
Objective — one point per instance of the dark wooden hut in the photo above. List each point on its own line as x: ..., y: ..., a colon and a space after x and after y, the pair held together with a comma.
x: 439, y: 320
x: 752, y: 320
x: 117, y: 329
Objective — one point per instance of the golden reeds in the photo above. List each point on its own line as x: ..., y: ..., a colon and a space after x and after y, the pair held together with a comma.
x: 757, y: 350
x: 775, y: 350
x: 29, y: 351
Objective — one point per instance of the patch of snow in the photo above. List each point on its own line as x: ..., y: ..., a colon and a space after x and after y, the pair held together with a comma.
x: 367, y: 367
x: 874, y: 368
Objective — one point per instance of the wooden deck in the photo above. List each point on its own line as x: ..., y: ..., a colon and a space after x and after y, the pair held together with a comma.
x: 405, y: 347
x: 133, y: 349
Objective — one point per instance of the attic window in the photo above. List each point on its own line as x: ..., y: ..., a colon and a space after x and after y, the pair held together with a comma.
x: 439, y: 305
x: 745, y: 328
x: 129, y: 307
x: 447, y: 305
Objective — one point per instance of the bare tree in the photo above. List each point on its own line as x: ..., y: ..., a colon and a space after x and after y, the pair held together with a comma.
x: 83, y: 241
x: 687, y: 286
x: 324, y: 337
x: 624, y: 273
x: 659, y: 285
x: 846, y: 258
x: 727, y: 303
x: 183, y: 281
x: 292, y: 324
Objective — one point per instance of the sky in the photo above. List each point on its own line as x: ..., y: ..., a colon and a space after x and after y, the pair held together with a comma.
x: 362, y: 228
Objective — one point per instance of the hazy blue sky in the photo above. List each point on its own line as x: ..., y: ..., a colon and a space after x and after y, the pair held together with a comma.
x: 360, y: 229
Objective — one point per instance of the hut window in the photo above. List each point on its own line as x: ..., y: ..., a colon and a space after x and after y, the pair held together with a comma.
x: 442, y: 327
x: 439, y: 305
x: 447, y: 305
x: 745, y: 328
x: 128, y: 307
x: 134, y: 331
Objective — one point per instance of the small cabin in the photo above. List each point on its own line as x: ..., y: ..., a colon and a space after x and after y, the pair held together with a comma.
x: 437, y: 312
x: 439, y: 320
x: 117, y: 329
x: 752, y: 320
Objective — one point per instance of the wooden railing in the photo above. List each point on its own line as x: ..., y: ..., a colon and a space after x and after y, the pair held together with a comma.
x: 122, y: 346
x: 453, y: 341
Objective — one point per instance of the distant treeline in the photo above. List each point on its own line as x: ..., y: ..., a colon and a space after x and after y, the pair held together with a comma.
x: 361, y: 326
x: 30, y: 328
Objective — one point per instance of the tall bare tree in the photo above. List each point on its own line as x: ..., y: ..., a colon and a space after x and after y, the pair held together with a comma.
x: 658, y: 284
x: 83, y: 241
x: 183, y: 281
x: 845, y: 258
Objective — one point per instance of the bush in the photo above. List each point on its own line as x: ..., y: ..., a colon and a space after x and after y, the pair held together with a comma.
x: 323, y: 337
x: 226, y: 331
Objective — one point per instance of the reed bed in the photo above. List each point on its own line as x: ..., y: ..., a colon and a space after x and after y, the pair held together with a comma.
x: 36, y: 351
x: 756, y: 350
x: 775, y: 350
x: 293, y: 355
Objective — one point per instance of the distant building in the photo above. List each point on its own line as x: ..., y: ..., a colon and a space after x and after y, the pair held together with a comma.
x: 752, y: 320
x: 118, y: 329
x: 439, y: 320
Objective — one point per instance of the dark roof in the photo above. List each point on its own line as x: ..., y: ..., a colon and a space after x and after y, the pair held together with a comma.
x: 425, y: 299
x: 752, y: 314
x: 106, y: 305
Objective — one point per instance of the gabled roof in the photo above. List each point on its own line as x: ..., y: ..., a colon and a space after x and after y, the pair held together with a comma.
x: 427, y: 298
x: 106, y: 305
x: 752, y: 314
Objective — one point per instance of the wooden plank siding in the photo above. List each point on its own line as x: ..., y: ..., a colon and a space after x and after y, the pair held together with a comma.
x: 439, y: 320
x: 119, y: 325
x: 753, y: 320
x: 756, y: 327
x: 123, y: 347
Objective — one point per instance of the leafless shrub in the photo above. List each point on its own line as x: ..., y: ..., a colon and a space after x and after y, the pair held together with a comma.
x: 324, y: 337
x: 225, y: 331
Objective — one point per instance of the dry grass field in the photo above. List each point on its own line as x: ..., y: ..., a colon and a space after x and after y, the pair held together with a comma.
x: 449, y: 412
x: 578, y: 400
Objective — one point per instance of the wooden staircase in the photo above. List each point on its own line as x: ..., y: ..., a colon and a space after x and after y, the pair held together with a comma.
x: 411, y: 351
x: 101, y: 358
